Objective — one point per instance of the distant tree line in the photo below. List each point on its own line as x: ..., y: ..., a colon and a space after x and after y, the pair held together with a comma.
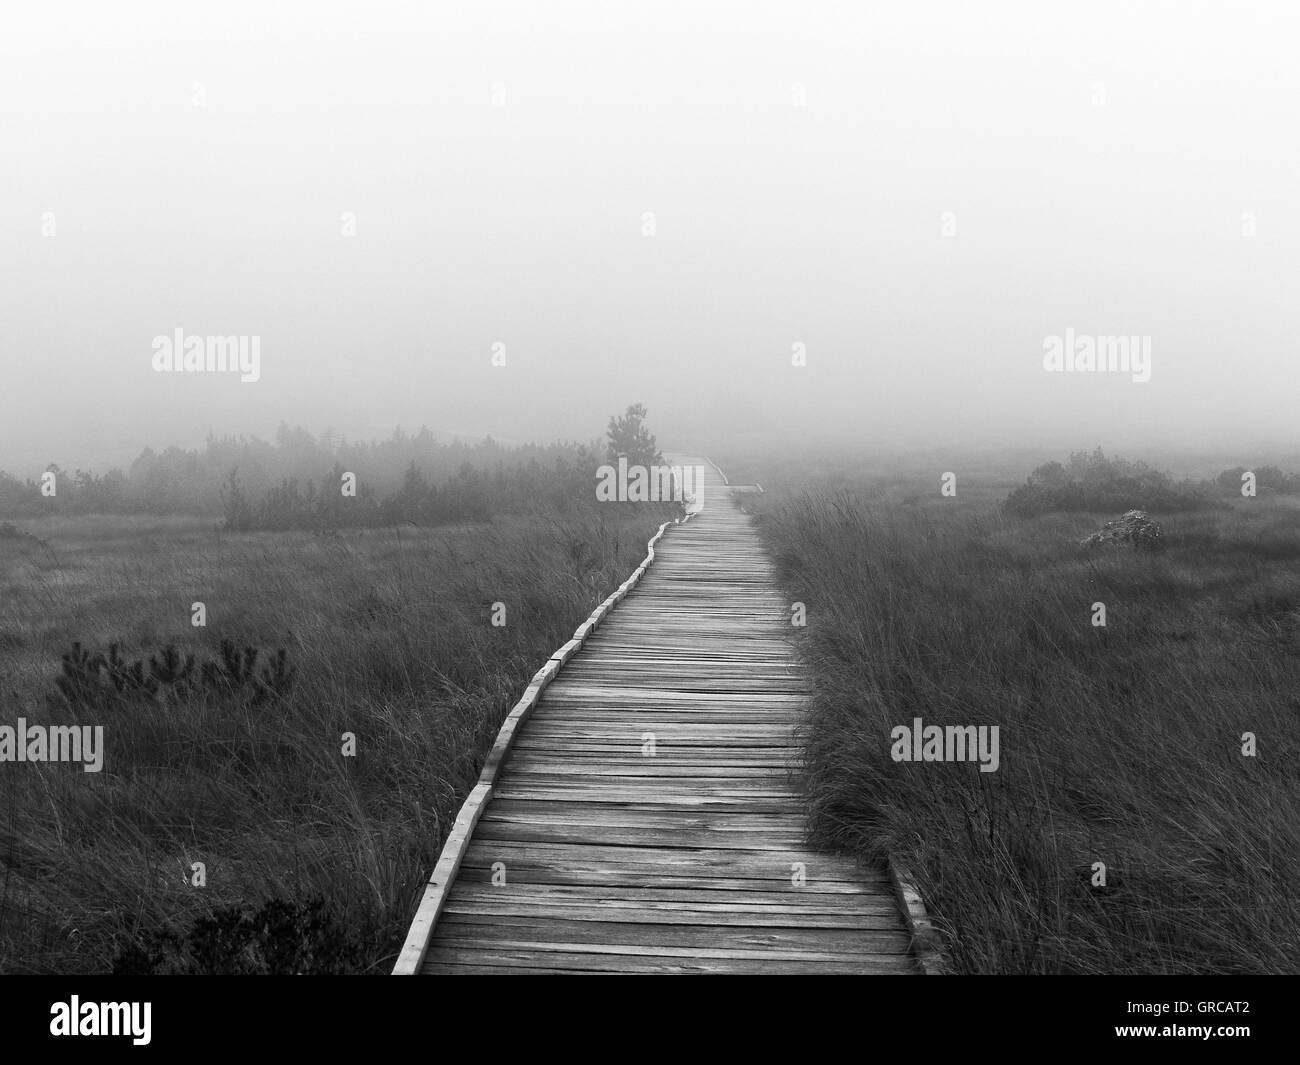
x: 470, y: 495
x: 298, y: 481
x: 1091, y: 482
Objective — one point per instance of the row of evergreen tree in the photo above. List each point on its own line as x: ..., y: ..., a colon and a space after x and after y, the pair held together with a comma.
x: 300, y: 481
x: 277, y: 483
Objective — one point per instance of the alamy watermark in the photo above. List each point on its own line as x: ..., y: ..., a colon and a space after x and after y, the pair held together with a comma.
x: 654, y: 484
x: 1081, y: 353
x: 179, y: 353
x: 53, y: 743
x: 946, y: 743
x: 75, y: 1017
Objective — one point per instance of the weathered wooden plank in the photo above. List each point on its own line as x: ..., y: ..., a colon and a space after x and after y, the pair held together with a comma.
x: 457, y: 957
x: 774, y: 947
x: 661, y: 746
x: 629, y: 793
x: 665, y: 816
x: 738, y: 824
x: 743, y: 917
x: 631, y: 880
x: 630, y: 737
x: 760, y: 839
x: 553, y: 768
x: 791, y: 900
x: 776, y: 862
x: 564, y: 933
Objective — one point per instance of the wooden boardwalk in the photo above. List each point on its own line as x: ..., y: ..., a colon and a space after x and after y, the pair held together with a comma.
x: 645, y: 818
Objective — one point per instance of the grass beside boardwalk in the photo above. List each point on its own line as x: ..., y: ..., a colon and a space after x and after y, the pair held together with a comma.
x: 390, y: 630
x: 1120, y: 745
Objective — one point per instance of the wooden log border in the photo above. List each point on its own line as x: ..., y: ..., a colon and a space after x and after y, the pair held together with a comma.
x: 718, y: 470
x: 453, y: 850
x: 926, y: 944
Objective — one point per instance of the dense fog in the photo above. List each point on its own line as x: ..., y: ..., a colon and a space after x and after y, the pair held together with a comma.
x: 520, y: 219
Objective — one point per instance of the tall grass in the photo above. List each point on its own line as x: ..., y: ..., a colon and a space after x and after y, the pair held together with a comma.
x: 391, y: 633
x: 1120, y: 745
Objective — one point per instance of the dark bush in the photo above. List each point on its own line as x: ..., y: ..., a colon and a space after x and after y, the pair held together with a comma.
x: 280, y: 938
x: 108, y: 682
x: 1092, y: 483
x: 1267, y: 479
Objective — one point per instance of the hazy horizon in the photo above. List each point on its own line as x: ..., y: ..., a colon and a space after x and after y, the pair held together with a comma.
x: 919, y: 194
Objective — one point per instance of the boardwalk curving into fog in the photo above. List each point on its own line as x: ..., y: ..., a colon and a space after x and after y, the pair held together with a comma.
x: 641, y: 815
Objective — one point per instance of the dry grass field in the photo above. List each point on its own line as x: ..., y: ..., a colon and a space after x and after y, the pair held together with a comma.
x: 313, y: 859
x: 1120, y: 745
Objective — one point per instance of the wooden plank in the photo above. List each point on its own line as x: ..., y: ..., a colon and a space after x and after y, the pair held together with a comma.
x: 459, y: 957
x: 631, y: 880
x: 665, y: 816
x: 774, y: 947
x: 629, y: 793
x: 791, y: 900
x: 555, y: 933
x: 767, y: 863
x: 756, y: 839
x: 495, y: 913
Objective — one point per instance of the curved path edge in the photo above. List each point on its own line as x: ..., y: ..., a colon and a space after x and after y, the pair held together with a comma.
x: 453, y: 849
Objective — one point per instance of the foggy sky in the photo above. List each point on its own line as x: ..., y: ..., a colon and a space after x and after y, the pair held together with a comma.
x: 1097, y: 160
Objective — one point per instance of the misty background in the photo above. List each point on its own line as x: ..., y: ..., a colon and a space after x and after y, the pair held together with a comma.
x: 1099, y: 163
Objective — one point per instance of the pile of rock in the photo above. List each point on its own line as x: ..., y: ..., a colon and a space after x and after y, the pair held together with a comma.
x: 1133, y: 529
